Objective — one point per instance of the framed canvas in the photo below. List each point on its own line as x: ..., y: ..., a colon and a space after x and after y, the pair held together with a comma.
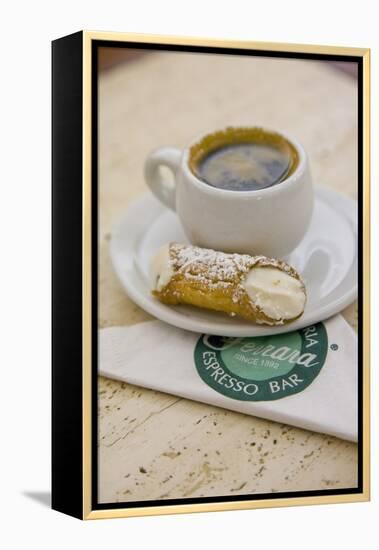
x: 210, y: 275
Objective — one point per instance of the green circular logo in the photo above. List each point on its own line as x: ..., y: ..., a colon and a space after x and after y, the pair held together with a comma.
x: 264, y: 368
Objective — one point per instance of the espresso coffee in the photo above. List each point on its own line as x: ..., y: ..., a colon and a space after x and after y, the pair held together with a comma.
x: 245, y: 160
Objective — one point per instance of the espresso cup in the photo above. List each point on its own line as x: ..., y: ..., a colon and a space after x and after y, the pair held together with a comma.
x: 270, y: 221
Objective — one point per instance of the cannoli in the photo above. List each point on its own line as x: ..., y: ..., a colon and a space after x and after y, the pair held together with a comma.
x: 259, y: 289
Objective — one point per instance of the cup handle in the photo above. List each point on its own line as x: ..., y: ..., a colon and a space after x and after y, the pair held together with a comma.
x: 163, y: 190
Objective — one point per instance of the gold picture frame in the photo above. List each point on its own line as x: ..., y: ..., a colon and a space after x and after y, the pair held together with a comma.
x: 84, y: 42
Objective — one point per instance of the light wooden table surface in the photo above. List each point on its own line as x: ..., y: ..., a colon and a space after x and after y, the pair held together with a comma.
x: 157, y: 446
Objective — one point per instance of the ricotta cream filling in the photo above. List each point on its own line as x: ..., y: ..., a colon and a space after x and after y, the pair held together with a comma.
x: 275, y: 292
x: 161, y: 269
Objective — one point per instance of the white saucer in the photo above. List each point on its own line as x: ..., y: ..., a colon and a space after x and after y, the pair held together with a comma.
x: 326, y: 258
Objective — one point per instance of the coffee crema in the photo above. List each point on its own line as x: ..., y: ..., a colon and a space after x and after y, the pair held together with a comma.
x: 243, y: 159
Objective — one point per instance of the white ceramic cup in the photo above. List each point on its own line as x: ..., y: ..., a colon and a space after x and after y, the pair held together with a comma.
x: 271, y: 221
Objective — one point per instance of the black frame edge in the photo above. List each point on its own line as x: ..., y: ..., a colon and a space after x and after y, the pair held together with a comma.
x: 67, y: 131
